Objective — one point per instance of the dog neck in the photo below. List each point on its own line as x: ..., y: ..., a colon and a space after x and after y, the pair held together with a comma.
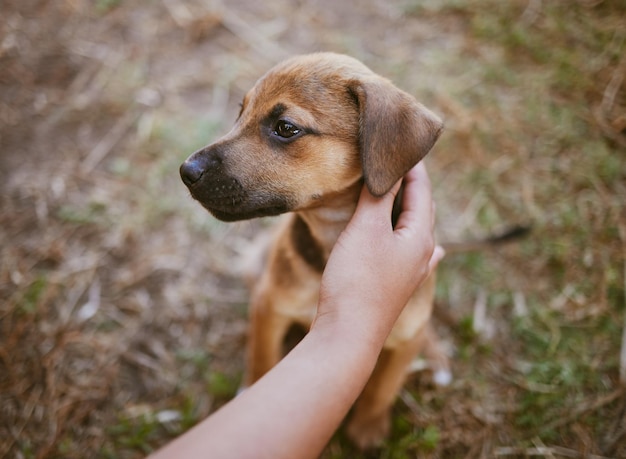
x: 324, y: 223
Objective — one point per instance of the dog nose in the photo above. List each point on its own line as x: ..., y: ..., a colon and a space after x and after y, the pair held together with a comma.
x: 209, y: 158
x: 191, y: 171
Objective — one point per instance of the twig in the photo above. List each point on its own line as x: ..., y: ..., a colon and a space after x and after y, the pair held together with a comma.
x: 611, y: 90
x: 252, y: 37
x: 89, y: 309
x: 179, y: 12
x: 540, y: 445
x: 410, y: 402
x: 607, y: 129
x: 106, y: 144
x: 622, y: 356
x: 481, y: 324
x: 544, y: 451
x: 531, y: 13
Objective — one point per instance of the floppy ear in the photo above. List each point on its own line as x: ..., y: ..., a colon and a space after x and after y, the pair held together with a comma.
x: 396, y: 132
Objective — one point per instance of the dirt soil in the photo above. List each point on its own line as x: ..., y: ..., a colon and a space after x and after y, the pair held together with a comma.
x: 122, y: 310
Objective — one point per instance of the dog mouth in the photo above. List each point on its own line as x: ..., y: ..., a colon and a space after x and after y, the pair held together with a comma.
x: 227, y: 200
x: 230, y: 209
x: 232, y: 215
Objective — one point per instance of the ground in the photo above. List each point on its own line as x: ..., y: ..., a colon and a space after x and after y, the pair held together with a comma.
x: 122, y: 310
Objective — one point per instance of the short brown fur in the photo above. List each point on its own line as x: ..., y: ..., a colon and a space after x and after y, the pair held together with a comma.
x: 351, y: 127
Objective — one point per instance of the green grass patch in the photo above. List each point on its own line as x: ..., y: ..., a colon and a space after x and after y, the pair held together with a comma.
x: 408, y: 440
x: 29, y: 303
x: 222, y: 385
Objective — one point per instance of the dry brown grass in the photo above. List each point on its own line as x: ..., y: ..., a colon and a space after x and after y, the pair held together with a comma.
x: 122, y: 313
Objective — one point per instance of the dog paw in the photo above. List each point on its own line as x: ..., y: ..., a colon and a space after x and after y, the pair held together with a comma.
x: 369, y: 432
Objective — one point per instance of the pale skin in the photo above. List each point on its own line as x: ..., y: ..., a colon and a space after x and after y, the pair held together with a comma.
x: 294, y: 409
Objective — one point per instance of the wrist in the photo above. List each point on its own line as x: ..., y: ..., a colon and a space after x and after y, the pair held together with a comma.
x: 351, y: 326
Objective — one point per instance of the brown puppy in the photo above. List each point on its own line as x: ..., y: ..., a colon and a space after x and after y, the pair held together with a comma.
x: 309, y: 134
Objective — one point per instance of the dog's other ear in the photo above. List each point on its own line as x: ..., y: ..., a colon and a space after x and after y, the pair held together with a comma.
x: 396, y: 132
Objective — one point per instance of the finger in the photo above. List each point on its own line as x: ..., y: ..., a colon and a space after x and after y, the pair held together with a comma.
x: 417, y: 203
x: 371, y: 208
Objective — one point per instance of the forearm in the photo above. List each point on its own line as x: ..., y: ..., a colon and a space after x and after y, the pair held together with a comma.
x: 294, y: 409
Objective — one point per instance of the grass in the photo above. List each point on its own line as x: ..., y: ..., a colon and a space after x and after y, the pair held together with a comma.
x: 575, y: 172
x: 532, y: 109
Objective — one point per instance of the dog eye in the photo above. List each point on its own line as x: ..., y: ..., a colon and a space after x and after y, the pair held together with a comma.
x: 286, y: 130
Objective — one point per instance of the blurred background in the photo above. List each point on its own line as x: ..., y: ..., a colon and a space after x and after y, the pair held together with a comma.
x: 122, y: 310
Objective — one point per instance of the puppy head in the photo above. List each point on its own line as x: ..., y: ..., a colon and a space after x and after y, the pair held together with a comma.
x: 308, y: 130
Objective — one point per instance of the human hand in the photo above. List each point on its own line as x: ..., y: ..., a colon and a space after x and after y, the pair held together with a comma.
x: 374, y: 268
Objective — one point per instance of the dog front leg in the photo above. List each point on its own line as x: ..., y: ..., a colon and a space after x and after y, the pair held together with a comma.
x: 266, y: 332
x: 371, y: 419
